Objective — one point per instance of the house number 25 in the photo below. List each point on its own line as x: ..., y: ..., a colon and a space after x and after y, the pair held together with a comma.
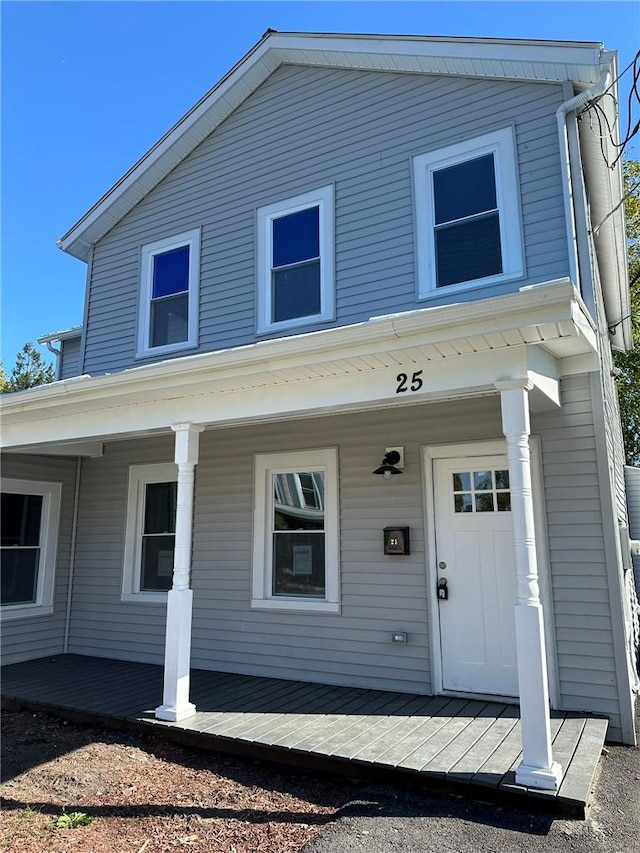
x: 406, y: 383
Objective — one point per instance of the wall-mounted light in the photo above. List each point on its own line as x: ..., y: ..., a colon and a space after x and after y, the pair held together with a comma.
x: 392, y: 462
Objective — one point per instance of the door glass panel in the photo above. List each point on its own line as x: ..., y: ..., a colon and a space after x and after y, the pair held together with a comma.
x: 502, y: 479
x: 481, y: 491
x: 462, y: 482
x: 482, y: 480
x: 463, y: 503
x: 484, y: 503
x: 504, y: 501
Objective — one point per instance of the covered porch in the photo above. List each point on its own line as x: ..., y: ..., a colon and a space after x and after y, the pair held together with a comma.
x: 443, y: 744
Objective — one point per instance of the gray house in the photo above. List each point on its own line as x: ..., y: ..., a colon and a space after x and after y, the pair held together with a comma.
x: 340, y: 408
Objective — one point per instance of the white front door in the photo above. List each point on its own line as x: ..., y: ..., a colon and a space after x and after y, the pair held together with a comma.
x: 475, y: 559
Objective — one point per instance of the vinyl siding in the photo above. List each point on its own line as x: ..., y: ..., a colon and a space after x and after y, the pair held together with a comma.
x: 302, y: 129
x: 70, y: 358
x: 37, y: 636
x: 632, y: 479
x: 379, y: 594
x: 580, y: 588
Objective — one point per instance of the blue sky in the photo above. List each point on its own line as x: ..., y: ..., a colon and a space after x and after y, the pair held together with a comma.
x: 88, y: 87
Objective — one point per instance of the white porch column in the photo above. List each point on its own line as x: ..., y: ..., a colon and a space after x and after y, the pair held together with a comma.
x: 177, y: 653
x: 537, y: 769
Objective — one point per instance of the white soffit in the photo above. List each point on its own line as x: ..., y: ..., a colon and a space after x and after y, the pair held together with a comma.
x: 536, y: 61
x: 549, y: 316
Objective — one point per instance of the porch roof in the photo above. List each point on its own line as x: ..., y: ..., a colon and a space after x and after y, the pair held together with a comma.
x: 461, y: 349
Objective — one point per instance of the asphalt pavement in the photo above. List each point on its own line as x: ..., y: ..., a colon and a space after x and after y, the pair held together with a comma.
x: 392, y: 820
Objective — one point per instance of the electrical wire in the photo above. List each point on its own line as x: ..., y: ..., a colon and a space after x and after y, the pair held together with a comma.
x: 595, y: 108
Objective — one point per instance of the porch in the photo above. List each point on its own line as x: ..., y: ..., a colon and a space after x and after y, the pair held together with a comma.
x: 444, y: 744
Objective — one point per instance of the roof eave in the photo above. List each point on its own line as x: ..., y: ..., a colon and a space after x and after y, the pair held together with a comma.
x: 490, y: 58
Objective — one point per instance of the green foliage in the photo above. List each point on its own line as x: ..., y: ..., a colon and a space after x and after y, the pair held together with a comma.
x: 29, y: 371
x: 4, y: 385
x: 629, y: 362
x: 71, y: 820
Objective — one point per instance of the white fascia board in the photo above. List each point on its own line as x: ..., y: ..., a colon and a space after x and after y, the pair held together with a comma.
x: 242, y: 380
x: 491, y: 58
x: 63, y: 335
x: 526, y: 59
x: 544, y: 303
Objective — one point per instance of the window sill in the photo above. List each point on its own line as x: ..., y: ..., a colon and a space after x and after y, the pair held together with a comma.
x: 166, y: 350
x: 298, y: 605
x: 297, y: 323
x: 9, y: 612
x: 144, y: 597
x: 476, y: 284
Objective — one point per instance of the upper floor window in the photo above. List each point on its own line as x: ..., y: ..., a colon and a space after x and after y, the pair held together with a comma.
x: 151, y: 532
x: 296, y: 261
x: 169, y: 294
x: 468, y: 214
x: 29, y: 523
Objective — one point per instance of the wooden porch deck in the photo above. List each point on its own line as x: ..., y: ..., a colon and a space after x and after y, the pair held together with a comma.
x: 468, y: 747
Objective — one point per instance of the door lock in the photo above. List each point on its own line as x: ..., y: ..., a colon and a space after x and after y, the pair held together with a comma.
x: 443, y: 589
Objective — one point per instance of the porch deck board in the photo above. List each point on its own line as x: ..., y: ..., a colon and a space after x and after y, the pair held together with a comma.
x: 466, y: 745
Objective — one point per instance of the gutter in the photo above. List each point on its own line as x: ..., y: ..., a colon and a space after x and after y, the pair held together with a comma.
x: 305, y: 348
x: 575, y: 207
x: 565, y: 163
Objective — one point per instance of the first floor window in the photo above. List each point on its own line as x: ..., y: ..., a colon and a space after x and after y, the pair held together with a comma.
x: 295, y: 261
x: 295, y: 556
x: 169, y: 294
x: 29, y: 535
x: 151, y: 531
x: 468, y: 214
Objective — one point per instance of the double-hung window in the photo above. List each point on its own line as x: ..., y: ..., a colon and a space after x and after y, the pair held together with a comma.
x: 296, y: 261
x: 151, y: 532
x: 169, y: 294
x: 29, y: 537
x: 295, y: 544
x: 468, y: 214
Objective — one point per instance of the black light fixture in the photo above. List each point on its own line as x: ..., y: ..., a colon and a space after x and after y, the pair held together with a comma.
x: 390, y: 460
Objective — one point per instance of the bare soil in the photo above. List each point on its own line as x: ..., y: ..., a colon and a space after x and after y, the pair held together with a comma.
x: 148, y: 795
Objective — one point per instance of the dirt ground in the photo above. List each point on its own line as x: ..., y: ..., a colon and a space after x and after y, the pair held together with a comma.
x: 147, y: 795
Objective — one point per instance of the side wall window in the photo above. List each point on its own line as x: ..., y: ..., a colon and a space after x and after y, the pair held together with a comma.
x: 30, y: 513
x: 296, y: 261
x: 296, y: 544
x: 151, y: 532
x: 468, y: 214
x: 170, y: 271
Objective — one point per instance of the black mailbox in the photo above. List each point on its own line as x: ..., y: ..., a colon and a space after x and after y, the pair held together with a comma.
x: 396, y: 540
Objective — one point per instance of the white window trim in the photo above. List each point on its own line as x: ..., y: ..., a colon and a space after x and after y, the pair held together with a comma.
x: 500, y: 143
x: 148, y: 252
x: 324, y: 199
x: 49, y: 526
x: 267, y: 464
x: 139, y: 477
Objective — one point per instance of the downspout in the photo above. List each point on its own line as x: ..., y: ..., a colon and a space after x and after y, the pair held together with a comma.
x: 72, y: 555
x: 57, y: 353
x: 565, y: 164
